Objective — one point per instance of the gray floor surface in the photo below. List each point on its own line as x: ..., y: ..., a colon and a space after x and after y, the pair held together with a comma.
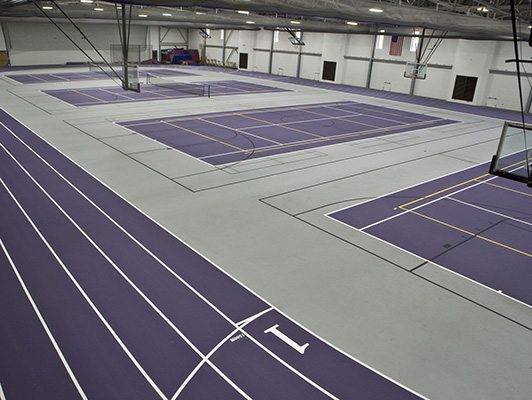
x: 264, y: 222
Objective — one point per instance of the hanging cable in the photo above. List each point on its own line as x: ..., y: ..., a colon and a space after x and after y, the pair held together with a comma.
x: 516, y: 50
x: 88, y: 41
x: 436, y: 45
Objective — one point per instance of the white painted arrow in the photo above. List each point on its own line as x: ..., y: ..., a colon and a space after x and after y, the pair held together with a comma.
x: 286, y: 339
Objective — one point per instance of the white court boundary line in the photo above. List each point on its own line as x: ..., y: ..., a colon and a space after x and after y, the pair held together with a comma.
x: 352, y: 136
x: 206, y: 258
x: 44, y: 325
x: 425, y: 260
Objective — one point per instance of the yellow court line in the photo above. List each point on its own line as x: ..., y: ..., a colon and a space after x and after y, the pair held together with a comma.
x: 88, y: 95
x: 341, y: 119
x: 457, y: 185
x: 443, y: 190
x: 469, y: 233
x: 41, y: 79
x: 510, y: 190
x: 159, y: 94
x: 387, y: 113
x: 205, y: 136
x: 325, y: 139
x: 242, y: 113
x: 282, y: 126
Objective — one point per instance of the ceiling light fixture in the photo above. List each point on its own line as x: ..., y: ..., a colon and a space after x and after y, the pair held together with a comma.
x: 250, y: 22
x: 243, y: 12
x: 351, y: 23
x: 47, y: 8
x: 86, y: 1
x: 143, y: 15
x: 375, y: 10
x: 98, y: 9
x: 295, y: 22
x: 167, y: 15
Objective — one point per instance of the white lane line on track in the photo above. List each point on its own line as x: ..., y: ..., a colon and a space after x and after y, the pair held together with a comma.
x: 127, y: 279
x: 181, y: 279
x: 87, y: 298
x: 240, y: 324
x: 45, y: 326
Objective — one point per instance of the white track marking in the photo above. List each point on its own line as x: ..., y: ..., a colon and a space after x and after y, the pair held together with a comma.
x: 44, y: 325
x: 240, y: 324
x: 195, y: 251
x: 295, y: 371
x: 253, y: 317
x: 87, y: 298
x: 124, y: 276
x: 299, y: 348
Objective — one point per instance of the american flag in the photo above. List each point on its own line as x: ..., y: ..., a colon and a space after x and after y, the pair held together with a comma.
x: 396, y: 45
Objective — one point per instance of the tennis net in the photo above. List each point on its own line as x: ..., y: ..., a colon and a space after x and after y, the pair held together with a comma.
x: 104, y: 69
x: 195, y: 89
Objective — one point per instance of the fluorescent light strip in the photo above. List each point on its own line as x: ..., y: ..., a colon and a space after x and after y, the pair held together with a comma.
x: 98, y: 9
x: 47, y: 8
x: 295, y: 22
x: 143, y: 15
x: 167, y: 15
x: 375, y: 10
x: 351, y: 23
x: 243, y: 12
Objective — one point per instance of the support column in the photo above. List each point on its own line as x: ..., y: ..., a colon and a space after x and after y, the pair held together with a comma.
x: 270, y: 62
x: 370, y: 63
x: 298, y: 70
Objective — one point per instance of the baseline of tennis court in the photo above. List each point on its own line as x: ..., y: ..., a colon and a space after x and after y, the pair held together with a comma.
x: 103, y: 302
x: 470, y: 222
x: 90, y: 76
x: 114, y: 94
x: 221, y: 138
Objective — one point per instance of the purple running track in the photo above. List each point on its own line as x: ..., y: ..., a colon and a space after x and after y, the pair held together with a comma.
x: 102, y: 302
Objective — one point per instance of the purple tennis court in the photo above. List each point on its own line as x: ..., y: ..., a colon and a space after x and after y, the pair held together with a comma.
x: 240, y: 135
x: 172, y: 90
x: 90, y: 76
x: 106, y: 303
x: 470, y: 222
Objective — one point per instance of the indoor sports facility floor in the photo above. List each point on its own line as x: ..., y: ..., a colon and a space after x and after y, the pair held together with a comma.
x: 269, y: 222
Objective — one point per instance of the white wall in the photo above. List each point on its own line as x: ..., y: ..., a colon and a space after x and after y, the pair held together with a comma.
x: 43, y: 44
x: 3, y: 45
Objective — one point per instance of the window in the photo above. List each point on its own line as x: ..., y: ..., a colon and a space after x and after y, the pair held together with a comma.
x: 380, y: 42
x: 414, y: 43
